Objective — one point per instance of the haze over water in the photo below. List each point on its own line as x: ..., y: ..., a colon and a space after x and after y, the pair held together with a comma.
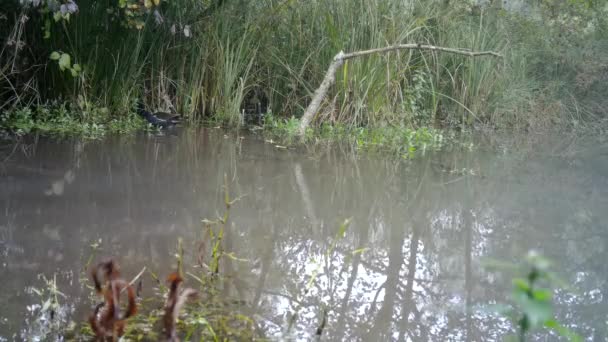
x: 410, y: 266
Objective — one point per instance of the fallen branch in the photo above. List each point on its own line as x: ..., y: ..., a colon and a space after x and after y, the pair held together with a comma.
x: 339, y: 59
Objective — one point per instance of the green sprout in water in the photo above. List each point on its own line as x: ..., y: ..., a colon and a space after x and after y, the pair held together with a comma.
x: 532, y: 295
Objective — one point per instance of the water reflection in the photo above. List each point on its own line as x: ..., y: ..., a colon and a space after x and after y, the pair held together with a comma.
x: 408, y: 269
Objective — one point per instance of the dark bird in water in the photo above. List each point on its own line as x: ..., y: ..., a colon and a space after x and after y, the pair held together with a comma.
x: 158, y: 119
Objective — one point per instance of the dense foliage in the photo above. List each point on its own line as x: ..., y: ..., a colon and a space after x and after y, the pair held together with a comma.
x: 211, y: 59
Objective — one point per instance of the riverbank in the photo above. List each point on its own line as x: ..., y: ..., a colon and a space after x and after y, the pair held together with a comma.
x: 270, y: 58
x: 67, y: 119
x: 97, y: 122
x: 396, y: 141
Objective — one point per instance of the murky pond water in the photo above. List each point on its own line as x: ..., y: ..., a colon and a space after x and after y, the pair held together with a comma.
x: 408, y: 268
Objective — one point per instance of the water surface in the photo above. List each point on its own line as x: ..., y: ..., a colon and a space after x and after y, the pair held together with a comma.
x: 409, y: 267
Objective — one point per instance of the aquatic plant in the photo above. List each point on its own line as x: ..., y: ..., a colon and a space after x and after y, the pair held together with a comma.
x: 532, y: 295
x: 87, y: 121
x: 399, y: 140
x: 50, y: 319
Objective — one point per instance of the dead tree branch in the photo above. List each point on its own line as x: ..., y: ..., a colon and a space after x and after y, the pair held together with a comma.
x: 330, y: 75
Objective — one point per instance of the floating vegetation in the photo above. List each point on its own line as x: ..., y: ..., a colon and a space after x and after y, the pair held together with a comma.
x: 404, y: 141
x: 87, y: 121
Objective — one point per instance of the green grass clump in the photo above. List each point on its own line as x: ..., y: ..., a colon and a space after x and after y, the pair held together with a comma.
x: 91, y: 122
x: 402, y: 141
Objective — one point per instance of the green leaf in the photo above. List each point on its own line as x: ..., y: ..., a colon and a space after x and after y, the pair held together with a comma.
x: 77, y: 67
x: 332, y: 31
x: 74, y: 72
x: 55, y: 55
x: 542, y: 295
x: 521, y: 284
x: 57, y: 16
x: 551, y: 323
x: 65, y: 61
x: 47, y: 29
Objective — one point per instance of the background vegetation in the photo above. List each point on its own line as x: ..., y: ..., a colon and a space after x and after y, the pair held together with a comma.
x: 211, y: 59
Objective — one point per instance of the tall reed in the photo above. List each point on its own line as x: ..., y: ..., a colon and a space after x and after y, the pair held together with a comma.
x: 202, y: 58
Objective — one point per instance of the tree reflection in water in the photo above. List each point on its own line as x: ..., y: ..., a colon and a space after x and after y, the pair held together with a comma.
x: 408, y: 269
